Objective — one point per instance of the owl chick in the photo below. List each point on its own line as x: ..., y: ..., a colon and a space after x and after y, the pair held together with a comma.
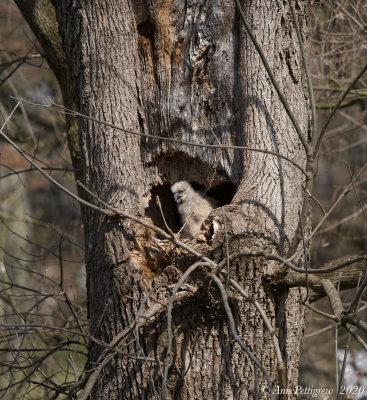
x: 193, y: 207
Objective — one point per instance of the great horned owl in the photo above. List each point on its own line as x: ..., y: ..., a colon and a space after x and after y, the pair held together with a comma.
x: 193, y: 207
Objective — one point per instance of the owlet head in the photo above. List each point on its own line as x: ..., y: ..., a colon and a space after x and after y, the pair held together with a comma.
x: 180, y: 191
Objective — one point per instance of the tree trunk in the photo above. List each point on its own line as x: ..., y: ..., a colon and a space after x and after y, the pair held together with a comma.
x: 188, y: 71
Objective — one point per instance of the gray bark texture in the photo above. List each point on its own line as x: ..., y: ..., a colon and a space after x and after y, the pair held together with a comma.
x: 188, y: 70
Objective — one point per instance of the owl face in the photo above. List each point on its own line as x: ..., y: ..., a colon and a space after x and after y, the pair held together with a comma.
x: 180, y: 191
x: 180, y: 195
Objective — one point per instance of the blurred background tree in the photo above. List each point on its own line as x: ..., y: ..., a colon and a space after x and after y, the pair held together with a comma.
x: 41, y: 240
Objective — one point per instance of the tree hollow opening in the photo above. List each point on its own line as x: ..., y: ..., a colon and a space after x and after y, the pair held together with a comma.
x: 223, y: 193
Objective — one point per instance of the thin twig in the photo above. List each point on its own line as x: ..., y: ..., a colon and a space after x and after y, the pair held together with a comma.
x: 357, y: 338
x: 338, y: 200
x: 315, y: 200
x: 282, y: 373
x: 47, y: 176
x: 33, y: 169
x: 336, y: 341
x: 324, y: 314
x: 341, y: 221
x: 235, y: 335
x: 227, y: 246
x: 186, y: 274
x: 60, y: 109
x: 89, y: 381
x: 287, y: 263
x: 357, y: 298
x: 346, y: 349
x: 335, y: 109
x: 307, y: 71
x: 356, y: 193
x: 163, y: 217
x: 306, y: 258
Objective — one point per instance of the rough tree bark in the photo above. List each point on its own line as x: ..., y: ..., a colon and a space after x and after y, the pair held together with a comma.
x: 188, y: 70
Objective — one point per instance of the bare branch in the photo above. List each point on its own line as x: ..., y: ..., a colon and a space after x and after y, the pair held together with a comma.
x: 186, y: 274
x: 338, y: 200
x: 307, y: 71
x: 34, y: 169
x: 227, y: 246
x: 232, y: 325
x: 281, y: 366
x: 346, y: 349
x: 60, y: 109
x: 322, y: 313
x: 333, y: 295
x: 19, y: 62
x: 337, y: 105
x: 356, y: 193
x: 341, y: 221
x: 355, y: 302
x: 357, y: 338
x: 316, y: 201
x: 141, y: 320
x: 163, y: 217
